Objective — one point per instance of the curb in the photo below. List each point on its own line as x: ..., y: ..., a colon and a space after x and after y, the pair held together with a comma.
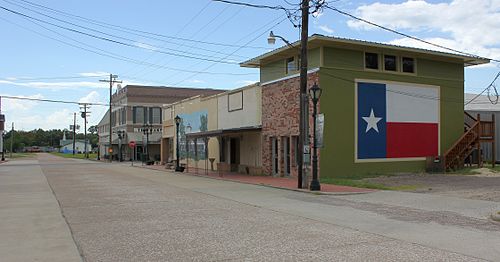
x: 267, y: 185
x: 495, y: 216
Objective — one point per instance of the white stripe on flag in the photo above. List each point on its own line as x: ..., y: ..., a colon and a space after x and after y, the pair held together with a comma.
x: 416, y: 104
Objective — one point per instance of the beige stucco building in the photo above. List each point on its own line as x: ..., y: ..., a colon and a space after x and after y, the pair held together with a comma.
x: 219, y: 132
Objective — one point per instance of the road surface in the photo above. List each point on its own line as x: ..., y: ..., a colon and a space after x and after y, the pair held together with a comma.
x: 56, y: 209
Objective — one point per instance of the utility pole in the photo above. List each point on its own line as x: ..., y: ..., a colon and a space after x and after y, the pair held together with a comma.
x: 2, y: 127
x: 11, y: 139
x: 303, y: 137
x: 111, y: 81
x: 84, y: 115
x: 74, y: 132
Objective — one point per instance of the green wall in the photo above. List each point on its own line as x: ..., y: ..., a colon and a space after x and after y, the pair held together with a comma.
x: 276, y: 69
x: 337, y: 103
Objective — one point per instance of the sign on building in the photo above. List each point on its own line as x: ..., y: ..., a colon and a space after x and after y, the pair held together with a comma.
x: 320, y: 124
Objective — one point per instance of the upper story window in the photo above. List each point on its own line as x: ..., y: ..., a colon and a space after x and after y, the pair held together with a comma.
x: 291, y: 65
x: 138, y: 115
x: 390, y: 63
x: 371, y: 60
x: 408, y: 64
x: 154, y: 115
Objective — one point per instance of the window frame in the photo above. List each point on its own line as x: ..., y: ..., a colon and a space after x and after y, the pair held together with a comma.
x: 295, y: 65
x: 397, y: 65
x: 378, y: 61
x: 414, y: 65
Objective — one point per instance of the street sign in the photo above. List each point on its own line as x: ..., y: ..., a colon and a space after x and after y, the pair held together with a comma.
x: 131, y: 144
x: 320, y: 123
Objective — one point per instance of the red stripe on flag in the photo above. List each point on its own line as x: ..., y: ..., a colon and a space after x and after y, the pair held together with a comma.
x: 412, y: 139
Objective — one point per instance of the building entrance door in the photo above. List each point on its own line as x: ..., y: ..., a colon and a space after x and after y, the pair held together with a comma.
x: 138, y: 153
x: 286, y: 154
x: 234, y: 153
x: 274, y: 158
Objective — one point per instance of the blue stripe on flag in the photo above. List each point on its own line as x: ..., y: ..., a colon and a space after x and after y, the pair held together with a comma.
x: 371, y: 144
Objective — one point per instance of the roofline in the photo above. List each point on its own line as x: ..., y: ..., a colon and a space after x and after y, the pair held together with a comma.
x: 202, y: 97
x: 468, y: 60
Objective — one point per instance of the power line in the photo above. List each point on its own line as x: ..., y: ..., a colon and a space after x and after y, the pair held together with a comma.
x: 491, y: 85
x: 406, y: 35
x: 277, y: 7
x: 113, y: 55
x: 115, y: 41
x: 46, y: 78
x: 51, y: 100
x: 148, y: 47
x: 130, y: 30
x: 199, y: 30
x: 253, y: 39
x: 420, y: 95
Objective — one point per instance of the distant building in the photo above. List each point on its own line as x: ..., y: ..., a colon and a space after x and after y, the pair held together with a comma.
x: 487, y: 110
x: 66, y: 145
x: 133, y: 107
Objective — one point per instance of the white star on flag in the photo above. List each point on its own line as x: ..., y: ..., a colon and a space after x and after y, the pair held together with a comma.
x: 371, y: 122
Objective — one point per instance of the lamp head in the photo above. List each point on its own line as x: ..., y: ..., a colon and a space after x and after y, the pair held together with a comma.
x: 315, y: 92
x: 177, y: 119
x: 271, y: 39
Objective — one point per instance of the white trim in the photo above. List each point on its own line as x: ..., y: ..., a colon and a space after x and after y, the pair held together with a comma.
x: 375, y: 160
x: 289, y: 77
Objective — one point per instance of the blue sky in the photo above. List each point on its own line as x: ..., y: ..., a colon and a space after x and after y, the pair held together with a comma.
x: 28, y: 50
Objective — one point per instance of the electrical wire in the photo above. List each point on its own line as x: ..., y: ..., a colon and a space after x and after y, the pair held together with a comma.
x: 52, y: 100
x: 105, y: 53
x: 406, y: 35
x: 253, y: 39
x: 130, y: 30
x: 114, y: 41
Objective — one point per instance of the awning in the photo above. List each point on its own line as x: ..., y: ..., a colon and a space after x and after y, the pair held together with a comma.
x: 221, y: 132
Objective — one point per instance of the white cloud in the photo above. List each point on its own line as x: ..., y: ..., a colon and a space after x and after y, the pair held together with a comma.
x: 326, y: 29
x: 13, y: 105
x: 246, y: 82
x: 94, y: 74
x: 195, y: 81
x: 55, y: 86
x: 145, y: 46
x: 470, y: 26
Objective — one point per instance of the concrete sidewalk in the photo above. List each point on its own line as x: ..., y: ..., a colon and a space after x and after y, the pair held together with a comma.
x: 289, y: 183
x: 31, y: 225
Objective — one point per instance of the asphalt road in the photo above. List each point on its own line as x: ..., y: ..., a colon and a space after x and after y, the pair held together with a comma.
x: 114, y: 212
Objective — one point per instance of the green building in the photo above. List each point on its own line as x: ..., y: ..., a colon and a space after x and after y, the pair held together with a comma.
x: 386, y: 108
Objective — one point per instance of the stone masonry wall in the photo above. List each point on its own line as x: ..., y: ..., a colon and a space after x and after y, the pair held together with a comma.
x: 280, y: 118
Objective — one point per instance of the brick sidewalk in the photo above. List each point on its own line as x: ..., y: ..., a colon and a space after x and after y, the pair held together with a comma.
x: 278, y: 182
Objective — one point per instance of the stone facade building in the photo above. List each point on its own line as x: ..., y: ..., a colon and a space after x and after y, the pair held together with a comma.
x: 133, y: 107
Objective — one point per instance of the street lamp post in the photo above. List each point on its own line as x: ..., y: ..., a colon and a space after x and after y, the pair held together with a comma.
x: 147, y: 129
x: 177, y: 162
x: 121, y: 135
x: 315, y: 93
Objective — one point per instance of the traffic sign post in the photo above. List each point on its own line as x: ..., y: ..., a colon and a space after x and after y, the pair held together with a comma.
x: 131, y: 144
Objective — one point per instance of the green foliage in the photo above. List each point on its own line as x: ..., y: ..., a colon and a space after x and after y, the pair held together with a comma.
x: 203, y: 123
x: 358, y: 181
x: 78, y: 156
x: 42, y: 138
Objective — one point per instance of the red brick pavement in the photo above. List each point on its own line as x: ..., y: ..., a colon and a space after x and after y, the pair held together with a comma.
x: 279, y: 182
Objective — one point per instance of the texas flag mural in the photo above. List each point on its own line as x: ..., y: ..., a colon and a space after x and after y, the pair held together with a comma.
x: 397, y: 120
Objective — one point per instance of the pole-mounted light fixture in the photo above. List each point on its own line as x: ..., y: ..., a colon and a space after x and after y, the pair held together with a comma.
x: 315, y: 94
